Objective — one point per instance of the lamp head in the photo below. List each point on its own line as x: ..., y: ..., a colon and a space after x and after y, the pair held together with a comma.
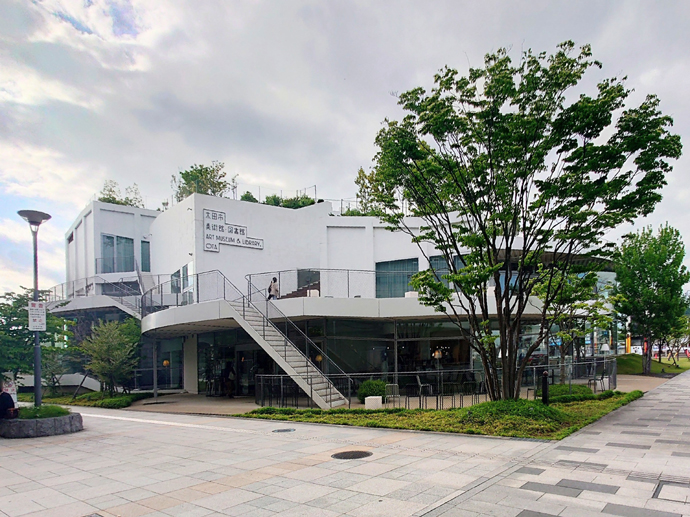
x: 34, y: 218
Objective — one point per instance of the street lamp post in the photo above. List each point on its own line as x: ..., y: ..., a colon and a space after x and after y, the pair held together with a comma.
x: 35, y: 219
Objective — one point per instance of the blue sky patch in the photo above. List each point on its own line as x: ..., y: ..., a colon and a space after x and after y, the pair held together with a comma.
x: 74, y: 22
x: 122, y: 14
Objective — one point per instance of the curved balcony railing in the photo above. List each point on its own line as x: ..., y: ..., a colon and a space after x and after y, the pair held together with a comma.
x: 213, y: 285
x: 334, y: 283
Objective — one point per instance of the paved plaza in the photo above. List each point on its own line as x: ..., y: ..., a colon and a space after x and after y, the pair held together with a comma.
x: 634, y: 462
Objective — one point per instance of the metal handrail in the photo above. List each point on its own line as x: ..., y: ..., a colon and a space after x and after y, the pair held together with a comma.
x: 113, y: 265
x: 246, y: 302
x: 338, y: 283
x: 120, y: 292
x: 308, y: 343
x: 282, y: 315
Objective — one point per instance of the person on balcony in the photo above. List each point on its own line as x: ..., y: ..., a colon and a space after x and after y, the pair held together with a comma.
x: 273, y: 292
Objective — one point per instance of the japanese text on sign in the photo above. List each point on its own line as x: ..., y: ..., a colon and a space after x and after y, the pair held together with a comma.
x: 217, y: 231
x: 37, y: 316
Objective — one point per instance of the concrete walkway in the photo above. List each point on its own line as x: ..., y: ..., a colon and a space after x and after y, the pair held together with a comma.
x: 632, y: 462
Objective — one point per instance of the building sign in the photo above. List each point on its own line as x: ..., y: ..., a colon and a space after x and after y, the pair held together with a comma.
x: 11, y: 388
x: 217, y: 231
x: 37, y: 316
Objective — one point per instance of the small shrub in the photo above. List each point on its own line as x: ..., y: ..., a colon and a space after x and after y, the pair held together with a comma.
x: 47, y: 411
x: 560, y: 390
x: 605, y: 395
x: 371, y: 389
x: 114, y: 403
x: 565, y: 399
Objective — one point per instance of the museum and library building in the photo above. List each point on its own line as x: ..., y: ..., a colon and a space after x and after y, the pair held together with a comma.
x: 199, y: 276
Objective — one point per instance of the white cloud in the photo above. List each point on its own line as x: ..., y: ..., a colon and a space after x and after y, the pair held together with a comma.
x: 42, y: 173
x: 287, y: 94
x: 18, y: 231
x: 23, y: 85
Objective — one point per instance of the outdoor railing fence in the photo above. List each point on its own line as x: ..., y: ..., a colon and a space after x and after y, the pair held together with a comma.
x: 335, y: 283
x: 437, y: 389
x: 213, y: 285
x: 122, y: 291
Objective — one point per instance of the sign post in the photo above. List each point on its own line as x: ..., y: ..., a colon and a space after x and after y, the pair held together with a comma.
x: 37, y: 316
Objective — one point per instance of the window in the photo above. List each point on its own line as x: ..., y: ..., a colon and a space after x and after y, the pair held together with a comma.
x: 107, y: 254
x: 185, y: 277
x: 175, y: 286
x: 393, y: 278
x: 440, y: 266
x: 117, y: 254
x: 146, y: 256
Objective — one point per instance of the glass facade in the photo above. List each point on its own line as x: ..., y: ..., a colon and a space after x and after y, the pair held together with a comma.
x: 362, y: 346
x: 146, y: 256
x: 117, y: 254
x: 228, y: 362
x: 169, y: 359
x: 439, y: 265
x: 393, y: 278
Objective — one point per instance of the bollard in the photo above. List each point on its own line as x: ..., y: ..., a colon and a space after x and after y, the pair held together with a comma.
x: 545, y: 388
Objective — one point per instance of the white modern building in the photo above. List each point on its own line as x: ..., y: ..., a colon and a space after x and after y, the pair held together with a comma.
x: 197, y: 276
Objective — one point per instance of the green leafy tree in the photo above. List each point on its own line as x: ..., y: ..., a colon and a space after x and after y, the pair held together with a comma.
x: 54, y: 364
x: 505, y: 168
x: 203, y: 179
x: 650, y: 276
x: 578, y: 308
x: 273, y: 200
x: 111, y: 194
x: 248, y: 196
x: 297, y: 201
x: 17, y: 341
x: 112, y: 353
x: 366, y: 194
x: 680, y: 338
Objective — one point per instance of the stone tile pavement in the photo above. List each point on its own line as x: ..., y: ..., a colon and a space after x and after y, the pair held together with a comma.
x: 632, y: 462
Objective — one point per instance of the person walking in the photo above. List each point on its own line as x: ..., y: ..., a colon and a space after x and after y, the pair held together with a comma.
x: 273, y: 291
x: 230, y: 380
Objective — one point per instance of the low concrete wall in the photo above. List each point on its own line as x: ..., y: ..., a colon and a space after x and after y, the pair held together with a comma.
x: 33, y: 428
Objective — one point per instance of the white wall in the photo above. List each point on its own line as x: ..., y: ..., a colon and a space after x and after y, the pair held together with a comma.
x: 293, y: 239
x: 172, y: 238
x: 103, y: 218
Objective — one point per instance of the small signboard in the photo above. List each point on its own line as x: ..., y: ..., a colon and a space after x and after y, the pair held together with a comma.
x: 217, y: 231
x: 37, y: 316
x: 11, y: 388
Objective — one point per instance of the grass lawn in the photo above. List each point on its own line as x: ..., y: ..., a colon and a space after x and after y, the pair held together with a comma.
x: 95, y: 399
x: 631, y: 364
x: 516, y: 418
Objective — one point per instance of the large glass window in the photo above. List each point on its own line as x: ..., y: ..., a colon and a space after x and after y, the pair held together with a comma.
x: 175, y: 285
x: 439, y: 265
x: 107, y: 254
x: 393, y: 278
x: 117, y: 254
x: 146, y: 256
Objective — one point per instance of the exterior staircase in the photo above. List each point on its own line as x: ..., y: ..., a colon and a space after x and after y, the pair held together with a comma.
x: 295, y: 364
x: 255, y: 315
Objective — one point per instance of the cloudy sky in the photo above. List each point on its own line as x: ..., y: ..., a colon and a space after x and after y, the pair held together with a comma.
x: 288, y: 94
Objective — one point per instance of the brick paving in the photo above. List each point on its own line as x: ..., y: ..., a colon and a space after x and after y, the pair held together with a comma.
x: 632, y: 462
